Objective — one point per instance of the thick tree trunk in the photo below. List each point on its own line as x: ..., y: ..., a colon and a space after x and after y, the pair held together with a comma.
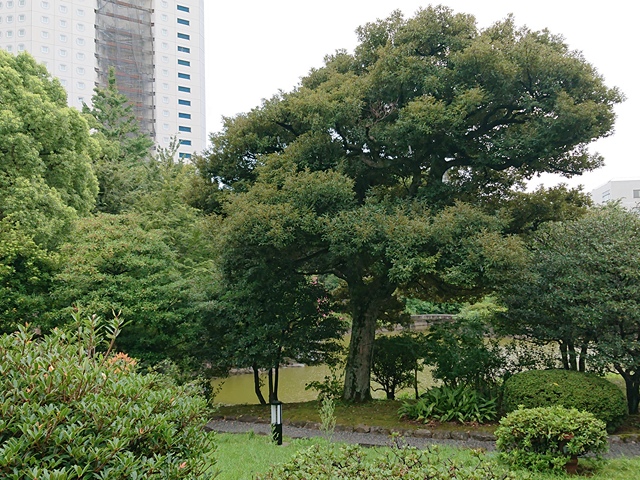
x: 256, y: 384
x: 632, y: 384
x: 573, y: 360
x: 274, y: 376
x: 357, y: 375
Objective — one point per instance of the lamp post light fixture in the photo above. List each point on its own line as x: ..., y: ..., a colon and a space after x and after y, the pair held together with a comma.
x: 276, y: 421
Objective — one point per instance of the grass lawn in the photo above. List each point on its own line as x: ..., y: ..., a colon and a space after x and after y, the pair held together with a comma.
x: 241, y: 457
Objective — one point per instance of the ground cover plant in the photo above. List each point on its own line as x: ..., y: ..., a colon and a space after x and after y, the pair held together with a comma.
x: 71, y: 409
x: 245, y: 456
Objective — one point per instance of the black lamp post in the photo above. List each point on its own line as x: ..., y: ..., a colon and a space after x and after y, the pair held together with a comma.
x: 276, y: 421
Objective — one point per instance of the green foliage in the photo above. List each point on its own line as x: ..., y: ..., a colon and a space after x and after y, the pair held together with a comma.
x: 581, y: 289
x: 46, y: 182
x: 349, y: 172
x: 331, y: 386
x: 416, y: 306
x: 73, y: 410
x: 462, y: 353
x: 124, y: 150
x: 396, y: 362
x: 128, y: 263
x: 351, y: 462
x: 447, y: 404
x: 584, y: 391
x: 546, y: 437
x: 327, y: 416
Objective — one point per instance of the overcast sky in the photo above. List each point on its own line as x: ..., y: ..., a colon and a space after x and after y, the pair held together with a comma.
x: 256, y: 47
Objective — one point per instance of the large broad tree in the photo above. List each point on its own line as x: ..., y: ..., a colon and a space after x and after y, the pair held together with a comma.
x: 582, y: 290
x: 427, y: 111
x: 46, y: 182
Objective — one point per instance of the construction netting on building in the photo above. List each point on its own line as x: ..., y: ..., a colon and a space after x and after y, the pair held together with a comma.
x: 124, y: 41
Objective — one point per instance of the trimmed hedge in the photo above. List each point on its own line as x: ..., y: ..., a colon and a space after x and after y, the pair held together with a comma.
x: 570, y: 389
x: 546, y: 437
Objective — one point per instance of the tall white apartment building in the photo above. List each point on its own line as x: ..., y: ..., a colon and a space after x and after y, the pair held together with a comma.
x: 155, y: 46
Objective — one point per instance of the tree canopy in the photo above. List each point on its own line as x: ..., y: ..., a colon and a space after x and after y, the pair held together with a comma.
x: 46, y: 182
x: 349, y: 173
x: 581, y: 288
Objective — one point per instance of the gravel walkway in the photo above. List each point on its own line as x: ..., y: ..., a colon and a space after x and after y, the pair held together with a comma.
x: 626, y: 446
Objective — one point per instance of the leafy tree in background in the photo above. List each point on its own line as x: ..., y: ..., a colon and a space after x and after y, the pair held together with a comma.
x: 427, y: 111
x: 396, y: 362
x: 46, y: 182
x: 121, y: 167
x: 581, y: 289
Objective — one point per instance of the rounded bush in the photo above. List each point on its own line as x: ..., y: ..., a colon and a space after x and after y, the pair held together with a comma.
x: 547, y: 437
x: 571, y: 389
x: 69, y: 412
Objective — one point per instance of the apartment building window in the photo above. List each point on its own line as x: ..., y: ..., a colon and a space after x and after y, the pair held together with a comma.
x: 44, y: 19
x: 636, y: 194
x: 184, y: 76
x: 165, y: 32
x: 165, y: 45
x: 21, y: 32
x: 21, y: 17
x: 185, y: 142
x: 80, y: 70
x: 63, y: 38
x: 80, y: 41
x: 184, y: 49
x: 184, y: 36
x: 9, y: 18
x: 184, y: 63
x: 165, y: 59
x: 165, y: 126
x: 63, y: 9
x: 80, y: 56
x: 80, y: 12
x: 21, y: 3
x: 164, y: 17
x: 182, y: 21
x: 44, y: 49
x: 165, y: 99
x: 63, y: 23
x: 80, y: 85
x: 184, y: 115
x: 9, y: 4
x: 182, y: 128
x: 184, y: 102
x: 62, y: 67
x: 44, y: 34
x: 9, y: 48
x: 9, y: 33
x: 62, y: 52
x: 165, y: 86
x: 165, y: 113
x: 164, y: 4
x: 184, y: 89
x: 21, y: 47
x: 80, y: 27
x: 185, y: 155
x: 165, y: 72
x: 42, y: 4
x: 182, y: 8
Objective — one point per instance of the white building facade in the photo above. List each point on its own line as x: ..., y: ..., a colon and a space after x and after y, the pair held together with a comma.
x: 625, y: 191
x: 155, y: 46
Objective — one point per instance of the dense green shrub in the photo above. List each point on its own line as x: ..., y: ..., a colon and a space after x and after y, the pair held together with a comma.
x: 446, y: 404
x: 571, y: 389
x: 396, y: 362
x: 350, y: 462
x: 70, y: 412
x: 546, y: 437
x: 462, y: 353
